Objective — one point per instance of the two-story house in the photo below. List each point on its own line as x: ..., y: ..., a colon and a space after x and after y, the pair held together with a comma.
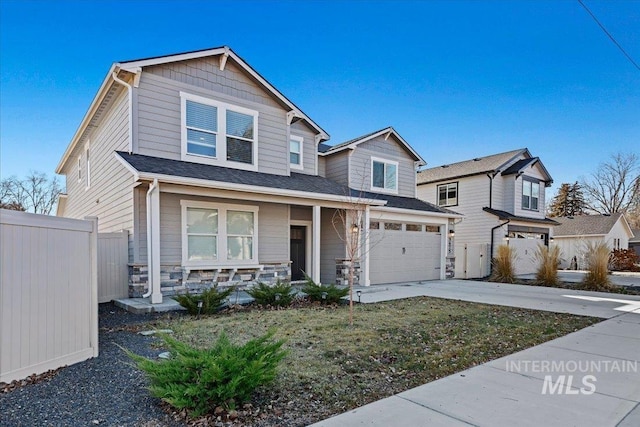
x: 502, y: 198
x: 218, y: 177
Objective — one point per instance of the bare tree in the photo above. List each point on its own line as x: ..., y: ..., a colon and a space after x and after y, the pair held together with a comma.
x: 615, y: 185
x: 35, y: 193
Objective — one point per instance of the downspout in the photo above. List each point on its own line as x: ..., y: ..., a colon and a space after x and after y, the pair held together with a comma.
x: 130, y: 96
x: 149, y: 245
x: 492, y: 233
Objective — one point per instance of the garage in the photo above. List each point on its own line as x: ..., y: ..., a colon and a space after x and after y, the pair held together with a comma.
x: 404, y: 252
x: 525, y: 245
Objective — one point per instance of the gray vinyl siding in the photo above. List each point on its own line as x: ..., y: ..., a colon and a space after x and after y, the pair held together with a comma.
x: 273, y: 228
x: 159, y: 115
x: 300, y: 213
x: 337, y: 167
x: 110, y: 196
x: 360, y: 165
x: 508, y: 198
x: 322, y: 166
x: 331, y: 247
x: 309, y: 147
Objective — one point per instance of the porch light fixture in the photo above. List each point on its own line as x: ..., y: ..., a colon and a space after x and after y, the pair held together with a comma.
x: 506, y: 237
x: 354, y: 228
x: 550, y: 239
x: 452, y: 232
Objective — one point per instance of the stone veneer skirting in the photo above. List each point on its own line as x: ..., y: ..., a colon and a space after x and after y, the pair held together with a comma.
x: 342, y: 272
x: 176, y: 279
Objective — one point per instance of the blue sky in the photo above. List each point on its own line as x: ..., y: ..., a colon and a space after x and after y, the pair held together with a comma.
x: 457, y: 79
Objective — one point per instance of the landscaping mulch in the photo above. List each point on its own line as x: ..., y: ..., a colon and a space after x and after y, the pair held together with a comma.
x: 105, y: 391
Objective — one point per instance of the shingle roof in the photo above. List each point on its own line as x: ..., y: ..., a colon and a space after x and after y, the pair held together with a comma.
x: 475, y: 166
x: 337, y: 147
x: 636, y: 236
x: 405, y: 202
x: 504, y: 215
x: 295, y: 182
x: 519, y: 165
x: 585, y: 225
x: 178, y: 168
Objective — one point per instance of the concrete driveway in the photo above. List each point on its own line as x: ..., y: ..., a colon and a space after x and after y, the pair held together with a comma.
x: 588, y: 378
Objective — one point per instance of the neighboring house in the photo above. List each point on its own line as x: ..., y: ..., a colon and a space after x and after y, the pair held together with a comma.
x: 217, y: 177
x: 634, y: 243
x: 502, y: 198
x: 575, y: 233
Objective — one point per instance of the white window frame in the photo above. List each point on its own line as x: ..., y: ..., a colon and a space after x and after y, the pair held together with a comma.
x: 530, y: 183
x: 385, y: 162
x: 222, y: 261
x: 79, y: 168
x: 447, y: 185
x: 300, y: 140
x: 87, y: 163
x: 221, y: 133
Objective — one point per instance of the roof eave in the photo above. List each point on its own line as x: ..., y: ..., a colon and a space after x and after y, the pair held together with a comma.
x: 97, y: 100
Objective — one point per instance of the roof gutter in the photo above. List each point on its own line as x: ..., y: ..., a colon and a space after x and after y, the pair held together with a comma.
x: 114, y: 75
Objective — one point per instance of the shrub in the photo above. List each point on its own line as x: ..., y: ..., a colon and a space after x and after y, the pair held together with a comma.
x: 211, y: 299
x: 225, y: 375
x: 624, y: 260
x: 332, y: 294
x: 547, y: 271
x: 279, y: 295
x: 503, y: 265
x: 597, y: 259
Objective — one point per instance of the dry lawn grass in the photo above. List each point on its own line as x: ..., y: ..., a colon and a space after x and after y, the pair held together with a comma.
x: 391, y: 347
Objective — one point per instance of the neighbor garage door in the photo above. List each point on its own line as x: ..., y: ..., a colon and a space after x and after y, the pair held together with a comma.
x: 401, y: 252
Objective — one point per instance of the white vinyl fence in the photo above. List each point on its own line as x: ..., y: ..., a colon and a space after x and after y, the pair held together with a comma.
x: 113, y: 274
x: 48, y: 293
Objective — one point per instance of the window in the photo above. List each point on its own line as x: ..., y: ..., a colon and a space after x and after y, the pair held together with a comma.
x: 218, y: 234
x: 87, y: 162
x: 79, y: 168
x: 432, y: 229
x: 448, y: 194
x: 218, y: 133
x: 295, y: 152
x: 530, y: 195
x: 384, y: 175
x: 395, y: 226
x: 239, y: 235
x: 414, y: 227
x: 374, y: 225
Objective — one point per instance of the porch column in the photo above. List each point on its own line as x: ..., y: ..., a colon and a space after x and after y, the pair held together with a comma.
x: 365, y: 228
x: 315, y: 239
x: 444, y: 250
x: 153, y: 251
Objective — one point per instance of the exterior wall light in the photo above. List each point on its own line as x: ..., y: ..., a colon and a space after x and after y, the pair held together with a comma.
x: 354, y: 228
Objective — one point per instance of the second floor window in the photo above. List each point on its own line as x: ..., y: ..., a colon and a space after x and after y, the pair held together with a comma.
x: 448, y: 194
x: 295, y: 152
x: 216, y: 133
x: 384, y: 175
x: 530, y: 195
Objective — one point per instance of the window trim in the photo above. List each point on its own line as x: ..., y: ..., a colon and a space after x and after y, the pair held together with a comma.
x: 87, y: 164
x: 385, y: 162
x: 80, y: 168
x: 456, y: 183
x: 220, y: 135
x: 300, y: 140
x: 530, y: 181
x: 222, y: 261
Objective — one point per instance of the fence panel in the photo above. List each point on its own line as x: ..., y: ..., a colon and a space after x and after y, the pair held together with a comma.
x: 48, y: 293
x: 113, y: 256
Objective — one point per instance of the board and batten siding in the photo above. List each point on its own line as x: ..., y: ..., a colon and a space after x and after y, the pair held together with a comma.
x: 360, y: 165
x: 273, y: 228
x: 110, y: 195
x: 159, y: 110
x: 48, y: 293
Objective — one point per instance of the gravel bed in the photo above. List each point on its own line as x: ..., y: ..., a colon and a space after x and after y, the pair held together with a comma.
x: 105, y: 391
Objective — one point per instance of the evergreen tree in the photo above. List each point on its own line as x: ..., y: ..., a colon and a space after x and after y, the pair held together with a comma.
x: 569, y: 201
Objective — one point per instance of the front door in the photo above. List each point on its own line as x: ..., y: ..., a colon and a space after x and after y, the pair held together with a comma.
x: 298, y: 244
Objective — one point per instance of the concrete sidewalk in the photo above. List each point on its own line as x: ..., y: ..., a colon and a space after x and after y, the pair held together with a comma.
x: 594, y: 381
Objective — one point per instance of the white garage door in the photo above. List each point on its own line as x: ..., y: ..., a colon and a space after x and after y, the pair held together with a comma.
x: 525, y: 246
x: 404, y: 253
